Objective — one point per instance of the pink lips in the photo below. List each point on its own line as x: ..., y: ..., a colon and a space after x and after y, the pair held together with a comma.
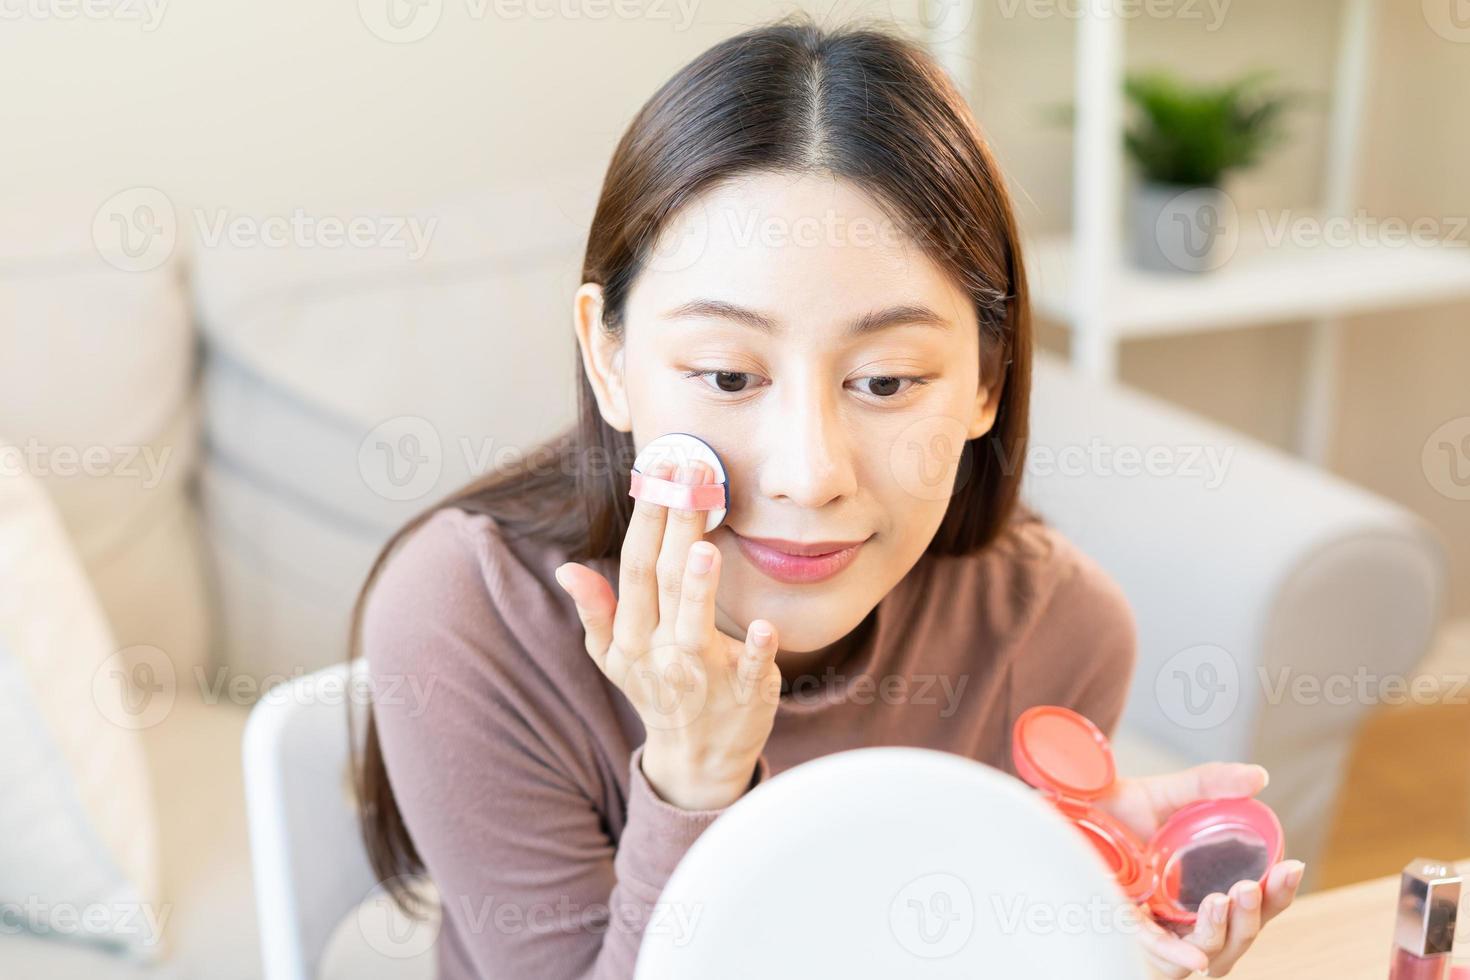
x: 796, y: 563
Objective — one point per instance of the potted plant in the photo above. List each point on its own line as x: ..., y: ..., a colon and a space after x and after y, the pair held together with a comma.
x: 1183, y: 140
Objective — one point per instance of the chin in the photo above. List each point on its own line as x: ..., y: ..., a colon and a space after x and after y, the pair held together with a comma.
x: 805, y: 643
x: 804, y: 625
x: 794, y: 632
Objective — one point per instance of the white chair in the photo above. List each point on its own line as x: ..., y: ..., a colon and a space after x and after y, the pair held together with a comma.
x: 310, y: 867
x: 891, y: 862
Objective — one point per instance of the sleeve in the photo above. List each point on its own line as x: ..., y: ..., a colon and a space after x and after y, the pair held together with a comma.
x: 529, y: 879
x: 1083, y: 646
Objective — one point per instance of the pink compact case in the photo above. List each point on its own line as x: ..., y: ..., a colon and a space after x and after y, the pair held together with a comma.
x: 1202, y: 848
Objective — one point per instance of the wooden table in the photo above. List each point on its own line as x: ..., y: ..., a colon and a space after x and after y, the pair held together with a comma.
x: 1342, y: 933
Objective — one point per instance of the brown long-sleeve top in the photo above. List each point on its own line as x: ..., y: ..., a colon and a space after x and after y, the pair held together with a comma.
x: 518, y: 776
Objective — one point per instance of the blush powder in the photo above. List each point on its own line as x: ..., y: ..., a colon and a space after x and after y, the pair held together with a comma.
x: 1213, y: 865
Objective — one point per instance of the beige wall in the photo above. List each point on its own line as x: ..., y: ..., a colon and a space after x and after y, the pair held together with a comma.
x: 270, y: 104
x: 1405, y: 375
x: 266, y: 105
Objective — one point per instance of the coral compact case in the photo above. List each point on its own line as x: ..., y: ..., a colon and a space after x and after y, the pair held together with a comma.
x: 1202, y: 848
x: 682, y: 448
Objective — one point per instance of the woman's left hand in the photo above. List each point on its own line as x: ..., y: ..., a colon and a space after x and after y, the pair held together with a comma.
x: 1227, y: 924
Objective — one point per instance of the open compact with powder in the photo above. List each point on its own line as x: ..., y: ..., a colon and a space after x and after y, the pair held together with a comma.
x: 1204, y: 847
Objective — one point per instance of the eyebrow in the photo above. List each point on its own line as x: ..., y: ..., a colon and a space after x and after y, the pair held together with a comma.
x: 902, y: 315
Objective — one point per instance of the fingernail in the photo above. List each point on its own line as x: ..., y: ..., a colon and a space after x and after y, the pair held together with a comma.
x: 761, y: 632
x: 1217, y: 909
x: 1294, y: 874
x: 701, y: 557
x: 1265, y: 776
x: 1250, y: 897
x: 560, y: 579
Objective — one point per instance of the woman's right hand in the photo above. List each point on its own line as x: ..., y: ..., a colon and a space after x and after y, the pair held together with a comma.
x: 707, y: 700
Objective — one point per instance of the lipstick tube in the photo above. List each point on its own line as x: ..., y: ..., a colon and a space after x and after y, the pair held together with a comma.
x: 1424, y: 929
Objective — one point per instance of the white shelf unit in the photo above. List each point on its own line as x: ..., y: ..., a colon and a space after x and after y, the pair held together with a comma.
x: 1261, y: 284
x: 1082, y: 280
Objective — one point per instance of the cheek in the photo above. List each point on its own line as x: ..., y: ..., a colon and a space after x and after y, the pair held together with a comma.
x: 662, y: 400
x: 660, y: 403
x: 918, y: 468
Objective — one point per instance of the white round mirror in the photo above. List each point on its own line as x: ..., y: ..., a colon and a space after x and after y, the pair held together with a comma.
x: 891, y: 862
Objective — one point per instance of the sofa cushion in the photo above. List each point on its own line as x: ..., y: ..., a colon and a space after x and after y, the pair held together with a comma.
x: 95, y: 393
x: 77, y: 844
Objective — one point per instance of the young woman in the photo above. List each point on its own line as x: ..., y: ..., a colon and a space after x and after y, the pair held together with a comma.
x: 805, y: 255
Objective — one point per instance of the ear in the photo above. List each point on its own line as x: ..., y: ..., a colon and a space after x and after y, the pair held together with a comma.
x: 987, y: 406
x: 602, y: 357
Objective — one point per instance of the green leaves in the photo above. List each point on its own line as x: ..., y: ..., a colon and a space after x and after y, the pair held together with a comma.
x: 1193, y: 134
x: 1183, y: 133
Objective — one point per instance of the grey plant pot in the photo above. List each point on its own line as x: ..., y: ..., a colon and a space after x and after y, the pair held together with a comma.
x: 1175, y: 228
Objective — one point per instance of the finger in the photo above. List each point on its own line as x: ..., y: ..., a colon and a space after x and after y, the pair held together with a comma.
x: 1163, y: 968
x: 1243, y: 927
x: 596, y: 605
x: 1281, y: 887
x: 1212, y: 780
x: 694, y: 620
x: 1174, y: 956
x: 681, y: 529
x: 1210, y: 926
x: 637, y: 572
x: 753, y: 670
x: 1142, y: 924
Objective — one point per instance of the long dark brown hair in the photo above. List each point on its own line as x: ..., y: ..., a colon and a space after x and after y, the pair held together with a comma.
x: 857, y: 103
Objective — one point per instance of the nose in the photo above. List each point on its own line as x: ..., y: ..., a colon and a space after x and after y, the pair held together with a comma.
x: 808, y: 460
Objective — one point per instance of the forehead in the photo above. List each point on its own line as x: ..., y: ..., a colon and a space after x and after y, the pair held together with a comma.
x: 808, y: 248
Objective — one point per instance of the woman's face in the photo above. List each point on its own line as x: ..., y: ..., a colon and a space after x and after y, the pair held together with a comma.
x: 833, y: 366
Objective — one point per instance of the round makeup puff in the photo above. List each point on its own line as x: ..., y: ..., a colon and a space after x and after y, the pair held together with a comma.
x: 681, y: 448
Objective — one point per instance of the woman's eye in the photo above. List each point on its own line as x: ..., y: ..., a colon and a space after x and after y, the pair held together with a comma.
x: 729, y: 382
x: 885, y: 386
